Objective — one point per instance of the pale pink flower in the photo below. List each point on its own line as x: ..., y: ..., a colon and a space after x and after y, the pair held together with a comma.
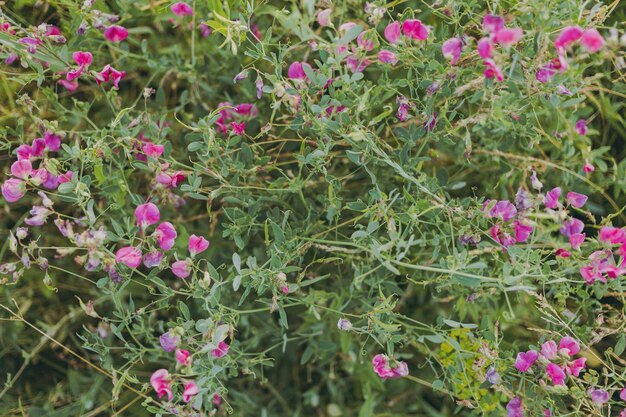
x: 166, y: 235
x: 508, y: 36
x: 364, y: 42
x: 492, y: 23
x: 382, y: 367
x: 190, y: 389
x: 68, y: 85
x: 183, y: 357
x: 181, y: 269
x: 197, y: 244
x: 525, y: 360
x: 161, y: 383
x: 568, y: 36
x: 392, y: 32
x: 181, y: 9
x: 414, y: 29
x: 485, y: 48
x: 591, y: 40
x: 387, y: 57
x: 451, y: 49
x: 576, y: 199
x: 13, y: 189
x: 622, y: 394
x: 323, y: 17
x: 152, y: 150
x: 21, y: 168
x: 115, y: 33
x: 556, y: 374
x: 549, y: 350
x: 599, y: 396
x: 503, y: 209
x: 221, y: 350
x: 569, y: 346
x: 147, y: 214
x: 129, y: 256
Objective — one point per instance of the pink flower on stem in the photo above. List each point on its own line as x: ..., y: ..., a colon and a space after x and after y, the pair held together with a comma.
x: 13, y: 189
x: 221, y: 350
x: 152, y: 259
x: 166, y: 235
x: 576, y: 199
x: 525, y: 360
x: 147, y: 214
x: 485, y: 48
x: 115, y: 33
x: 189, y: 390
x: 588, y: 168
x: 556, y: 374
x: 382, y: 367
x: 599, y: 396
x: 492, y: 23
x: 152, y: 150
x: 503, y: 209
x: 323, y: 17
x: 109, y: 73
x: 129, y: 256
x: 571, y: 227
x: 568, y: 36
x: 522, y: 230
x: 387, y: 57
x: 569, y: 346
x: 508, y: 37
x: 451, y: 49
x: 576, y: 240
x: 364, y: 42
x: 414, y: 29
x: 296, y: 70
x: 181, y: 9
x: 613, y: 235
x: 622, y: 394
x: 575, y: 367
x: 392, y: 32
x: 197, y: 244
x: 52, y: 141
x: 549, y: 350
x: 591, y: 40
x: 581, y: 127
x: 238, y: 128
x: 21, y: 168
x: 83, y: 60
x: 181, y: 269
x: 161, y: 383
x: 551, y: 199
x: 183, y: 357
x: 515, y: 408
x: 492, y: 70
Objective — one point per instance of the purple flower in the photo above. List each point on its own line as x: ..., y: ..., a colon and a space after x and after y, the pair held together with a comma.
x: 525, y: 360
x: 599, y: 396
x: 492, y: 376
x: 551, y: 199
x: 514, y: 408
x: 503, y: 209
x: 581, y: 127
x: 571, y: 227
x: 169, y: 341
x: 575, y: 199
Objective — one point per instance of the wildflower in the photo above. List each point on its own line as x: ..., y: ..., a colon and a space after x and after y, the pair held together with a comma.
x: 129, y: 256
x: 609, y: 234
x: 181, y: 9
x: 152, y: 259
x: 344, y: 324
x: 575, y: 199
x: 485, y: 48
x: 169, y: 341
x: 109, y: 73
x: 568, y: 36
x: 392, y: 32
x: 569, y: 346
x: 574, y: 367
x: 382, y: 367
x: 21, y: 169
x: 197, y: 244
x: 556, y: 374
x: 591, y: 40
x: 451, y: 49
x: 221, y: 350
x: 13, y: 189
x: 522, y: 230
x: 560, y: 252
x: 622, y: 394
x: 52, y: 141
x: 189, y: 390
x: 549, y: 350
x: 183, y: 357
x: 492, y: 23
x: 508, y: 37
x: 115, y: 33
x: 323, y: 17
x: 238, y: 128
x: 387, y: 57
x: 599, y: 396
x: 504, y: 210
x: 166, y: 235
x: 364, y: 42
x: 161, y: 384
x: 525, y: 360
x: 588, y: 168
x: 181, y: 269
x: 414, y: 29
x: 492, y: 376
x: 147, y: 214
x: 551, y: 199
x: 39, y: 216
x: 581, y: 127
x: 296, y: 70
x: 492, y: 70
x: 152, y: 150
x: 83, y: 60
x: 514, y: 408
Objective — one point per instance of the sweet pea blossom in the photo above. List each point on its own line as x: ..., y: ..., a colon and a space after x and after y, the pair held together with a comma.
x: 525, y: 360
x: 549, y: 350
x: 166, y: 235
x: 451, y: 49
x: 568, y: 36
x: 414, y: 29
x: 183, y: 357
x: 492, y: 70
x: 522, y: 230
x: 147, y: 214
x: 323, y: 17
x: 503, y: 209
x: 571, y: 227
x: 485, y: 48
x: 344, y: 324
x: 392, y: 32
x: 508, y: 36
x: 296, y: 70
x: 189, y: 390
x: 591, y: 40
x: 364, y: 41
x: 581, y: 127
x: 556, y: 374
x: 569, y: 346
x: 613, y: 235
x: 576, y: 199
x: 181, y: 269
x: 387, y: 57
x: 599, y: 396
x: 575, y: 367
x: 83, y: 60
x: 181, y: 9
x: 21, y: 168
x: 115, y: 33
x: 152, y: 259
x: 622, y: 394
x: 129, y: 256
x: 197, y: 244
x: 13, y: 189
x: 382, y: 367
x: 161, y: 384
x: 551, y: 199
x: 492, y: 23
x: 169, y: 341
x: 109, y: 73
x: 221, y: 350
x: 514, y: 408
x: 588, y: 168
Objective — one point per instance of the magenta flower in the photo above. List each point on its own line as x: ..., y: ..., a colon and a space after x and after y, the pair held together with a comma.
x: 169, y: 341
x: 492, y: 70
x: 525, y: 360
x: 189, y: 390
x: 166, y: 235
x: 571, y: 227
x: 568, y: 36
x: 392, y: 32
x: 296, y: 70
x: 152, y: 259
x: 147, y: 214
x: 109, y: 73
x: 556, y: 374
x: 599, y: 396
x: 183, y: 357
x: 515, y: 408
x: 622, y: 394
x: 581, y: 127
x: 576, y: 240
x: 197, y: 244
x: 221, y: 350
x: 13, y: 189
x: 562, y: 253
x: 387, y: 57
x: 181, y: 269
x: 238, y: 128
x: 591, y: 40
x: 503, y: 209
x: 83, y: 60
x: 414, y: 29
x: 161, y: 384
x: 588, y: 168
x: 181, y: 9
x: 364, y: 43
x: 21, y: 168
x: 152, y: 150
x: 613, y: 235
x: 129, y: 256
x: 382, y: 367
x: 115, y: 33
x: 551, y: 199
x: 522, y: 230
x: 52, y: 141
x: 575, y: 199
x: 569, y: 346
x: 451, y: 49
x: 323, y: 17
x: 492, y: 23
x: 485, y: 48
x: 549, y: 350
x: 575, y: 367
x: 508, y: 37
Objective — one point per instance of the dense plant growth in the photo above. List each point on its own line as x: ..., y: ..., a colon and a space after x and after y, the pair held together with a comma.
x: 299, y: 208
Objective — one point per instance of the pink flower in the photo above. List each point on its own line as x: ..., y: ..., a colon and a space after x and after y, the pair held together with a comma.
x: 551, y: 199
x: 588, y: 168
x: 581, y: 127
x: 161, y: 384
x: 571, y: 227
x: 485, y: 48
x: 492, y: 70
x: 451, y: 49
x: 68, y: 85
x: 382, y: 367
x: 575, y: 199
x: 166, y: 235
x: 591, y: 40
x: 549, y: 350
x: 569, y: 346
x: 576, y: 240
x: 387, y: 57
x: 21, y: 168
x: 323, y: 17
x: 238, y: 128
x: 296, y: 70
x: 560, y: 252
x: 492, y: 23
x: 13, y: 189
x: 221, y: 350
x: 183, y: 357
x: 568, y: 36
x: 364, y: 42
x: 514, y: 408
x: 181, y: 9
x: 599, y: 396
x: 197, y: 244
x: 522, y: 230
x: 190, y: 389
x: 414, y: 29
x: 392, y: 32
x: 575, y: 367
x: 152, y: 259
x: 115, y: 33
x: 508, y: 37
x: 503, y: 209
x: 613, y: 235
x: 67, y: 177
x: 147, y: 214
x: 622, y: 394
x: 52, y: 141
x: 152, y: 150
x: 109, y: 73
x: 129, y: 256
x: 181, y: 269
x: 525, y: 360
x: 83, y: 60
x: 556, y: 374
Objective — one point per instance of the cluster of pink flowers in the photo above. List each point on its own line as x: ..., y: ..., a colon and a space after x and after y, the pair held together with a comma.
x: 161, y: 381
x: 387, y: 368
x: 497, y: 34
x: 556, y: 360
x: 229, y: 115
x: 83, y: 60
x: 507, y: 219
x: 590, y: 39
